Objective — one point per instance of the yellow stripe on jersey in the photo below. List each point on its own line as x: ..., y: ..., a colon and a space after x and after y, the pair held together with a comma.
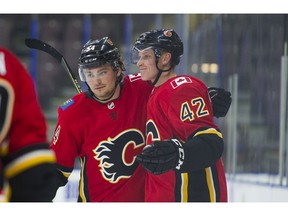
x: 4, y: 148
x: 66, y: 174
x: 8, y: 192
x: 29, y: 160
x: 9, y: 109
x: 184, y: 187
x: 210, y: 131
x: 5, y: 196
x: 81, y: 184
x: 210, y: 184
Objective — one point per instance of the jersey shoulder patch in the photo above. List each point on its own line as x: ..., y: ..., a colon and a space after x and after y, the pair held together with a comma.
x: 67, y: 103
x: 178, y: 81
x: 134, y: 77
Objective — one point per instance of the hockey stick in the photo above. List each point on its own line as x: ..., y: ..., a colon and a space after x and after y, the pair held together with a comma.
x: 40, y: 45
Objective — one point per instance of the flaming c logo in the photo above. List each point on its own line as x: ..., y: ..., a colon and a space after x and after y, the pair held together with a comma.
x: 167, y: 33
x: 110, y: 41
x: 117, y: 155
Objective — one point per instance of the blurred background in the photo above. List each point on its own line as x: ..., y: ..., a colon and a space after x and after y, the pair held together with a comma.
x: 243, y: 53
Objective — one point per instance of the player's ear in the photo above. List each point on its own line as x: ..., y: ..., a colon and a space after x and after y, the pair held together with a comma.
x: 119, y: 75
x: 119, y: 72
x: 166, y: 58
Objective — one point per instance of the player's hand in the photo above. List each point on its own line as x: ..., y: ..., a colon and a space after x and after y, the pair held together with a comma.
x: 162, y: 156
x: 221, y: 101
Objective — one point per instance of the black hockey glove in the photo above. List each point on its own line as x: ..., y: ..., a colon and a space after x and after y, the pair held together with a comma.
x: 37, y: 184
x: 221, y: 101
x: 162, y: 156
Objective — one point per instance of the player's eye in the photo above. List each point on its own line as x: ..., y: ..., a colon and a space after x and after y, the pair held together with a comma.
x: 89, y: 75
x: 145, y: 56
x: 102, y: 73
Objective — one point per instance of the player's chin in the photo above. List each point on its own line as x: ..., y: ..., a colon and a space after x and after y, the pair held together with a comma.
x: 144, y: 76
x: 100, y: 94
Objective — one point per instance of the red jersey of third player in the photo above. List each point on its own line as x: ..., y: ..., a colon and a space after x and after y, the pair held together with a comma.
x: 18, y: 105
x: 23, y: 140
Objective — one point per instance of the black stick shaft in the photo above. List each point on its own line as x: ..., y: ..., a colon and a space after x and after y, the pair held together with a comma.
x: 40, y: 45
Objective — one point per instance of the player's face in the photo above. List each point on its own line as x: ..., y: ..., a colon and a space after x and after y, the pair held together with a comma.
x: 147, y: 64
x: 101, y: 80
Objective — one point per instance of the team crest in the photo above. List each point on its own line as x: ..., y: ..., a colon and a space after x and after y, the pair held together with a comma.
x: 167, y: 33
x: 110, y: 41
x: 117, y: 155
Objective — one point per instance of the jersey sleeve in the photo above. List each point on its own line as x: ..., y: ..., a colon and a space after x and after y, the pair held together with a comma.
x: 64, y: 144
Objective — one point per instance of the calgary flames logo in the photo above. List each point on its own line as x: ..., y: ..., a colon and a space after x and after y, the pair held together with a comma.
x: 110, y: 41
x: 152, y: 132
x: 167, y: 33
x: 117, y: 155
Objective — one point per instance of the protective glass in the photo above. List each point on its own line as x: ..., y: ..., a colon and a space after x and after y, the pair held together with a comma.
x: 143, y: 54
x: 86, y: 73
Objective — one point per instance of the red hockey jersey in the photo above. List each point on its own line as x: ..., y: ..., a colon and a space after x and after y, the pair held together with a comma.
x: 23, y: 138
x: 177, y: 109
x: 20, y: 112
x: 106, y: 137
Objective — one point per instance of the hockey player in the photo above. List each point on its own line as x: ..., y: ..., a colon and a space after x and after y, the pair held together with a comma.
x: 104, y: 127
x: 183, y: 155
x: 27, y: 165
